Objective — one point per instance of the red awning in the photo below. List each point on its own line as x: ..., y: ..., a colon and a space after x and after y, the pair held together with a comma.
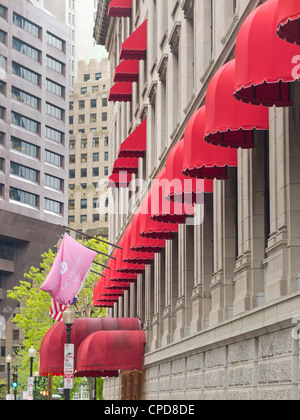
x: 264, y: 64
x: 134, y: 257
x: 52, y: 347
x: 289, y: 21
x: 119, y: 180
x: 167, y: 211
x: 120, y: 92
x: 135, y: 47
x: 126, y: 165
x: 123, y: 267
x: 137, y: 243
x: 203, y: 160
x: 156, y: 230
x: 127, y: 71
x: 183, y: 188
x: 104, y: 353
x: 120, y: 8
x: 229, y: 122
x: 135, y: 145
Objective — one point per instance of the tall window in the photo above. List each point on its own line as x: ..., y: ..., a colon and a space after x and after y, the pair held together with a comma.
x: 26, y: 49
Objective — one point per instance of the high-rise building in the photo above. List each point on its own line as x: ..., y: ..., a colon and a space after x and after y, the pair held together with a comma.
x: 34, y: 140
x: 89, y: 145
x: 79, y: 16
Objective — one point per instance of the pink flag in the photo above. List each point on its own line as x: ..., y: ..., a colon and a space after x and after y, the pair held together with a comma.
x: 69, y: 270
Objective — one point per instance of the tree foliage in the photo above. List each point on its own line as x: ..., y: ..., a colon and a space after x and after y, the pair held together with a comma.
x: 34, y: 317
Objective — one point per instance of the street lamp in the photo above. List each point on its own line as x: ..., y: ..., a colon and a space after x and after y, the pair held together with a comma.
x: 69, y: 319
x: 31, y: 355
x: 8, y: 361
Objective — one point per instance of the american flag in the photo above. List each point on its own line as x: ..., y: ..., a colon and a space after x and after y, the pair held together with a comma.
x: 56, y: 310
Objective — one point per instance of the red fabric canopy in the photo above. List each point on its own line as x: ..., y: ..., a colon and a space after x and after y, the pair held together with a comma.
x: 229, y: 122
x: 126, y: 165
x: 119, y: 180
x: 120, y: 92
x: 138, y: 243
x: 289, y: 21
x: 104, y: 353
x: 166, y: 211
x: 52, y: 347
x: 264, y: 64
x: 156, y: 230
x: 126, y: 268
x: 203, y: 160
x: 135, y: 47
x: 183, y: 188
x: 127, y: 71
x: 120, y: 8
x: 134, y: 257
x: 135, y: 145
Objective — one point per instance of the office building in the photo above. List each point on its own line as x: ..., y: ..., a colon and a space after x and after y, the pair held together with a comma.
x: 34, y: 142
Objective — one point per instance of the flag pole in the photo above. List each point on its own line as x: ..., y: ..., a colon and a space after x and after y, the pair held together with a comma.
x: 91, y: 237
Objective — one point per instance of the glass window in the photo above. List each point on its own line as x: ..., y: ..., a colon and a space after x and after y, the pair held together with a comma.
x: 71, y: 219
x: 54, y: 135
x: 83, y: 203
x: 54, y: 158
x: 96, y: 217
x: 72, y: 144
x: 53, y: 206
x: 95, y: 89
x: 23, y: 172
x: 106, y: 156
x: 25, y: 73
x: 24, y: 147
x: 54, y: 111
x: 3, y: 37
x: 104, y: 116
x: 71, y: 173
x: 98, y: 76
x: 71, y: 205
x: 84, y: 158
x: 72, y: 159
x: 104, y: 102
x: 25, y: 24
x: 55, y: 41
x: 23, y: 197
x: 3, y: 12
x: 55, y: 64
x: 86, y: 77
x: 95, y: 171
x: 55, y: 88
x: 81, y: 105
x: 25, y: 122
x: 25, y: 98
x: 53, y: 182
x: 93, y: 118
x: 83, y: 90
x: 95, y: 157
x: 96, y: 203
x: 93, y: 103
x: 83, y: 218
x: 83, y: 173
x: 26, y: 49
x: 84, y: 143
x: 81, y: 119
x: 96, y: 142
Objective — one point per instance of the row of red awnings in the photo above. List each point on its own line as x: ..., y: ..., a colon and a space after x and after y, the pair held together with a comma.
x: 237, y: 104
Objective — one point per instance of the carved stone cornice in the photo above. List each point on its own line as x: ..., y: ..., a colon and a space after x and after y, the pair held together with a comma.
x: 188, y: 8
x: 162, y: 67
x: 175, y: 37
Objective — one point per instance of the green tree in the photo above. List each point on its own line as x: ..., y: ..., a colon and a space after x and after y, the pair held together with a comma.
x: 34, y: 317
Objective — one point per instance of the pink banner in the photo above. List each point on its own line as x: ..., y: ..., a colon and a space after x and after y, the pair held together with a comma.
x: 69, y: 270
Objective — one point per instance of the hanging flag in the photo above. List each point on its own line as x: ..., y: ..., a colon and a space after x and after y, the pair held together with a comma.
x: 69, y: 270
x: 56, y: 310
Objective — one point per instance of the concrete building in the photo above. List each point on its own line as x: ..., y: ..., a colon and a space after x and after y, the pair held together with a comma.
x: 34, y: 144
x: 219, y: 303
x: 89, y: 143
x: 79, y: 16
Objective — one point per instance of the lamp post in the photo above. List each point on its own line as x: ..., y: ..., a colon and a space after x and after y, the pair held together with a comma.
x: 31, y: 355
x: 69, y: 319
x: 8, y: 362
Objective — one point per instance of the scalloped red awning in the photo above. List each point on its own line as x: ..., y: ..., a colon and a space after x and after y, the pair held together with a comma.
x: 103, y: 353
x: 134, y: 257
x: 182, y: 188
x: 229, y: 122
x: 289, y: 21
x: 126, y: 165
x: 120, y: 92
x: 127, y: 71
x: 119, y: 180
x: 265, y: 66
x: 120, y: 8
x: 135, y: 145
x: 138, y: 243
x: 203, y: 160
x: 135, y: 47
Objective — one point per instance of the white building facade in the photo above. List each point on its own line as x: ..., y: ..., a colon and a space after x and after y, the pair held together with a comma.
x: 220, y: 303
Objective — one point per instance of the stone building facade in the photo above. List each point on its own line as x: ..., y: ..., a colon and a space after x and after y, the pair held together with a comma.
x: 220, y: 303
